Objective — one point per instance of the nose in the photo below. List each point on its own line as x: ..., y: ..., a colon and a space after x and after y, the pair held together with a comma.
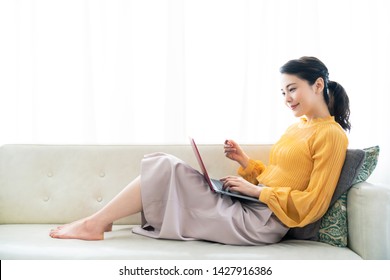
x: 287, y: 98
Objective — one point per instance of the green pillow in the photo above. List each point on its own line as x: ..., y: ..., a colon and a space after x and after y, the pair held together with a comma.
x: 334, y: 224
x: 369, y: 164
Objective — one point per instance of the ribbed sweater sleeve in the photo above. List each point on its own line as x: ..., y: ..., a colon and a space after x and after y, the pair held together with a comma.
x: 252, y: 171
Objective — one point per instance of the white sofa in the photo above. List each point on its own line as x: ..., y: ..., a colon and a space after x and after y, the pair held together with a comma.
x: 42, y: 186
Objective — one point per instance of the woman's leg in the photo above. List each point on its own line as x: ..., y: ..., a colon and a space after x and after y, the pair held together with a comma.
x: 126, y: 203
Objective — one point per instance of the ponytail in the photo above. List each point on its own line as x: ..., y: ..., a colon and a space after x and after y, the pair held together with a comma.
x: 339, y: 104
x: 310, y: 69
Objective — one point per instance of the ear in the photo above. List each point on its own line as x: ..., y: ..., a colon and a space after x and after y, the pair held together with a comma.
x: 319, y: 85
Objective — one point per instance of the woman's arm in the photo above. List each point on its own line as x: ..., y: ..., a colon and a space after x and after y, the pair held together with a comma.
x: 249, y: 168
x: 239, y: 184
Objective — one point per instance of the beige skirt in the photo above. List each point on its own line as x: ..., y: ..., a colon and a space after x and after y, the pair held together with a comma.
x: 178, y: 204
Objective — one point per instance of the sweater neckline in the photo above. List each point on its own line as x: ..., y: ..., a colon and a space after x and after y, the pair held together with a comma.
x: 304, y: 122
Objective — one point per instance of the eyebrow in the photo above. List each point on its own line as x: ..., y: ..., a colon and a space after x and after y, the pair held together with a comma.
x: 288, y: 85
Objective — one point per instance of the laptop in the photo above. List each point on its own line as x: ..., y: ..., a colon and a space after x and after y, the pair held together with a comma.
x: 216, y: 185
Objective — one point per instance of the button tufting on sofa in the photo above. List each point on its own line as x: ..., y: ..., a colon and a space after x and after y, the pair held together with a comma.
x: 73, y: 188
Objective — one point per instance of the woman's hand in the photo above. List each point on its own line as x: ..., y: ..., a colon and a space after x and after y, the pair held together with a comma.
x: 234, y: 152
x: 239, y: 184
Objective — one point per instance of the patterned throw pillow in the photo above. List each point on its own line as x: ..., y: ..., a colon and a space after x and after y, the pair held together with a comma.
x: 334, y: 224
x: 369, y: 164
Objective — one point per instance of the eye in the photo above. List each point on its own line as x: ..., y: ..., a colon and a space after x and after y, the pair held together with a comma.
x: 292, y: 89
x: 283, y: 93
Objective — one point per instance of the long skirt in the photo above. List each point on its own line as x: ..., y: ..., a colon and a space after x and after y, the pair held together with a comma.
x: 178, y: 204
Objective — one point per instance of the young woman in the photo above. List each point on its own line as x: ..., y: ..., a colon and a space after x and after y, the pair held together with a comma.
x: 295, y: 187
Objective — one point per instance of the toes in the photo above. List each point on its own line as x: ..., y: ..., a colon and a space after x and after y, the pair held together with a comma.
x: 54, y: 233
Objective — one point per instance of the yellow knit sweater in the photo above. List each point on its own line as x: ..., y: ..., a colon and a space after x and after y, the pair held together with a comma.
x: 304, y: 167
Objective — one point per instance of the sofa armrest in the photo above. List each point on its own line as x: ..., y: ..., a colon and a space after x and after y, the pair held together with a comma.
x: 369, y: 220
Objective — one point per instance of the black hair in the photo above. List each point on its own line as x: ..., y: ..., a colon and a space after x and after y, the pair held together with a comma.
x: 310, y: 69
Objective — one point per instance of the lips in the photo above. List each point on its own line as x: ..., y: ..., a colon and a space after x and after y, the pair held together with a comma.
x: 293, y: 107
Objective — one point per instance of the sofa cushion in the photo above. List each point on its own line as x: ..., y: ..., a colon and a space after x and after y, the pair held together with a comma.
x: 334, y: 228
x: 353, y: 162
x: 122, y: 244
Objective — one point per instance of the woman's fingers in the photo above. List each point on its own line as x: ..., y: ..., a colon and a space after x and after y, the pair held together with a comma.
x: 230, y: 150
x: 230, y: 181
x: 229, y: 147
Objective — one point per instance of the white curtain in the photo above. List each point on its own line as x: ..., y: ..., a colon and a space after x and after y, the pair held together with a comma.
x: 153, y: 71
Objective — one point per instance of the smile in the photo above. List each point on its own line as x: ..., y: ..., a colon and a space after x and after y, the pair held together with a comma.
x: 293, y: 107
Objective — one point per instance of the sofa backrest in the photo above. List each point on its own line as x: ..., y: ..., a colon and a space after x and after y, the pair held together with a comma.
x: 56, y: 184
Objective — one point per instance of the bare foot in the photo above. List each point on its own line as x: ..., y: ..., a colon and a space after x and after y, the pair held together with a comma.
x: 85, y: 229
x: 106, y: 229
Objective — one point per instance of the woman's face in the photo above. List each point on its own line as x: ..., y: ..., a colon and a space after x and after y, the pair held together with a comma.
x: 301, y: 97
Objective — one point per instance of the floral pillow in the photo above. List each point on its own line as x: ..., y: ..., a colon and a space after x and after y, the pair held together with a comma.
x: 334, y: 224
x: 369, y: 164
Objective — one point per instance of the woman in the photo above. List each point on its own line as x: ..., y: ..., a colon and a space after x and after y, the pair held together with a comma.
x: 295, y: 188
